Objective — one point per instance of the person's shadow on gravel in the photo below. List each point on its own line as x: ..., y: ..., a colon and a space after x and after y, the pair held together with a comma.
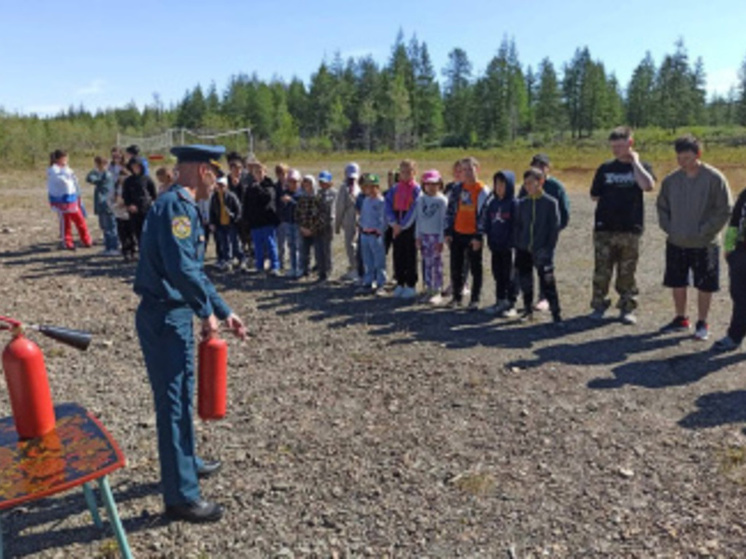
x: 84, y: 262
x: 602, y: 351
x: 715, y: 409
x: 677, y: 370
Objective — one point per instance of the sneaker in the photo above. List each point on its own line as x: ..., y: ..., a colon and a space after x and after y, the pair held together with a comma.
x: 473, y: 306
x: 408, y: 293
x: 454, y: 303
x: 678, y: 324
x: 274, y: 273
x: 725, y: 344
x: 542, y: 305
x: 628, y: 317
x: 498, y: 308
x: 381, y: 292
x: 425, y: 296
x: 701, y: 330
x: 350, y: 276
x: 597, y: 314
x: 465, y: 292
x: 527, y: 316
x: 509, y: 313
x: 436, y: 299
x: 493, y: 310
x: 243, y: 266
x: 398, y: 290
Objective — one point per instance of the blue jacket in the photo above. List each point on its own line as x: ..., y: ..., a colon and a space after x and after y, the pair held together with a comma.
x: 170, y: 271
x: 496, y: 221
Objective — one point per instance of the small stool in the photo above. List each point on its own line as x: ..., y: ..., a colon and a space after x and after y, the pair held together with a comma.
x: 77, y: 452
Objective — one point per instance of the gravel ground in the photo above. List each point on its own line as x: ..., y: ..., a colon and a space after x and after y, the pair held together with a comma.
x: 362, y: 427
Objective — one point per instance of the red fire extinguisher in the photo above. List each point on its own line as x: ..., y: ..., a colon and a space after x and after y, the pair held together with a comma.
x: 28, y: 386
x: 26, y: 376
x: 212, y: 387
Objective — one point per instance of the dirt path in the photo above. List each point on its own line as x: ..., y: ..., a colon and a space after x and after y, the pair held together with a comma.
x: 366, y: 427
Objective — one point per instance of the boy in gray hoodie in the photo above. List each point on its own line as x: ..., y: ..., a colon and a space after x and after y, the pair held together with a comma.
x: 694, y: 204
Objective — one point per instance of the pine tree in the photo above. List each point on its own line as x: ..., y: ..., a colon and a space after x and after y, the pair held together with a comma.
x: 457, y: 111
x: 298, y: 103
x: 549, y: 112
x: 674, y: 90
x: 640, y: 105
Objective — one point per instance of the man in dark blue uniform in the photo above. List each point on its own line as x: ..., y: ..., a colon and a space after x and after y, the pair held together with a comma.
x: 171, y: 281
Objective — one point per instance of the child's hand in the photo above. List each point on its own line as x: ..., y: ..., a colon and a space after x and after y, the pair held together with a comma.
x: 396, y: 228
x: 418, y: 244
x: 476, y: 244
x: 132, y: 209
x: 305, y: 231
x: 448, y: 240
x: 212, y: 228
x: 439, y: 247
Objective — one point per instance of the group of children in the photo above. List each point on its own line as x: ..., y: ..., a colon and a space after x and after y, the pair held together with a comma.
x: 297, y: 215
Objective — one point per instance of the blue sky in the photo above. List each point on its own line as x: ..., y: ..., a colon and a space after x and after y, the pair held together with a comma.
x: 103, y: 54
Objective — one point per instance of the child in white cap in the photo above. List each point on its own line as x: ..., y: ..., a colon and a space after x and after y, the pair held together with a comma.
x: 346, y: 217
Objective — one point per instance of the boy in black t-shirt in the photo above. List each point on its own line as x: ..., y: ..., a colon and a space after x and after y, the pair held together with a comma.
x: 618, y: 224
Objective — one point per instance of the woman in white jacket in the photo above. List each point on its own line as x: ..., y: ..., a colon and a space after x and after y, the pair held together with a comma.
x: 64, y: 198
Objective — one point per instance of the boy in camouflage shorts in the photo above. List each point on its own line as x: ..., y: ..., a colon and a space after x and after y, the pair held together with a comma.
x: 618, y: 224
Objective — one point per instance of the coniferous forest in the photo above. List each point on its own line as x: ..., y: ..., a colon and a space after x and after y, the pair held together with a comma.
x: 408, y: 103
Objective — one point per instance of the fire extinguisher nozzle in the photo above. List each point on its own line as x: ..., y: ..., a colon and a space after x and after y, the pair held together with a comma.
x: 75, y: 338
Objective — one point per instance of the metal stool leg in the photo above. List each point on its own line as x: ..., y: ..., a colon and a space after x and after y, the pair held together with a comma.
x: 90, y: 498
x: 116, y: 523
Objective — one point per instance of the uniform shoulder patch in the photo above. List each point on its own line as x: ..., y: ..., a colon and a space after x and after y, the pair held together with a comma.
x: 181, y: 227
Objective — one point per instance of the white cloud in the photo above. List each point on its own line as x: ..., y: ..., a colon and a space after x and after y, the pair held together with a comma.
x: 95, y: 87
x: 721, y: 80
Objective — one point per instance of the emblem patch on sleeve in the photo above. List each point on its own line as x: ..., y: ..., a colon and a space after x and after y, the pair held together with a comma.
x: 181, y: 227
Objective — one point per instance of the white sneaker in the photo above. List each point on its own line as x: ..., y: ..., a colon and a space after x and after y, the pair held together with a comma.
x: 465, y: 292
x: 509, y: 313
x: 398, y: 290
x: 436, y: 299
x: 542, y: 306
x: 701, y: 330
x: 628, y: 317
